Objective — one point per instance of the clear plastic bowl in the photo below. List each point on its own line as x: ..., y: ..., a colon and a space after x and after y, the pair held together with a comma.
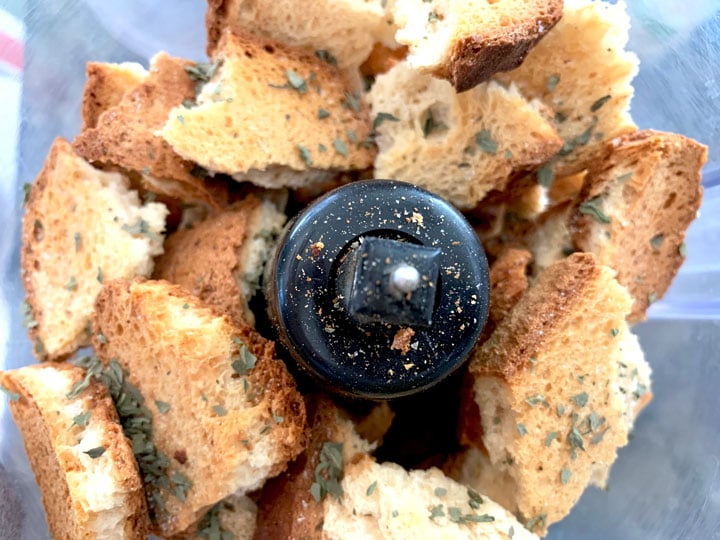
x: 666, y: 482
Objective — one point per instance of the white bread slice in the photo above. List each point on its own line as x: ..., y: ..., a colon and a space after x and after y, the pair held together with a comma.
x: 233, y: 418
x: 105, y: 87
x: 346, y: 29
x: 304, y: 125
x: 581, y: 62
x: 387, y: 502
x: 124, y: 135
x: 468, y: 41
x: 287, y: 507
x: 549, y: 389
x: 81, y: 226
x: 635, y: 207
x: 459, y: 146
x: 238, y: 241
x: 83, y: 464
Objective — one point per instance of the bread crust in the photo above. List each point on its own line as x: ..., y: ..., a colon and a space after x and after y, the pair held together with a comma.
x: 652, y: 187
x: 47, y: 439
x: 227, y: 433
x: 125, y: 135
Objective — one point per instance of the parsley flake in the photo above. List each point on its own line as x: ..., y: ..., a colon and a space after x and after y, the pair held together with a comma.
x: 545, y: 175
x: 141, y: 228
x: 371, y: 488
x: 296, y: 81
x: 550, y: 438
x: 552, y: 82
x: 340, y: 147
x: 323, y: 113
x: 652, y: 297
x: 305, y: 155
x: 485, y: 141
x: 560, y: 409
x: 581, y: 399
x: 565, y: 475
x: 682, y: 250
x: 624, y: 177
x: 522, y: 430
x: 437, y: 511
x: 591, y: 208
x: 537, y: 521
x: 77, y: 238
x: 81, y: 419
x: 95, y: 453
x: 383, y: 117
x: 219, y: 410
x: 325, y: 56
x: 352, y: 101
x: 245, y: 361
x: 599, y: 103
x: 614, y: 332
x: 71, y: 285
x: 656, y: 241
x: 440, y: 492
x: 475, y: 500
x: 430, y: 124
x: 162, y: 406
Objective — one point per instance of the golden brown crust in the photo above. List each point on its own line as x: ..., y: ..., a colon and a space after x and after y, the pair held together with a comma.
x: 125, y: 135
x: 44, y: 432
x: 215, y: 21
x: 521, y: 337
x: 474, y: 59
x: 508, y: 282
x: 224, y: 135
x: 29, y: 259
x: 217, y: 239
x: 105, y: 87
x: 649, y: 185
x: 178, y: 350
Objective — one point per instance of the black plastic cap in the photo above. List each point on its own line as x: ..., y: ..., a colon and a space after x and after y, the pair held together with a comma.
x: 383, y: 348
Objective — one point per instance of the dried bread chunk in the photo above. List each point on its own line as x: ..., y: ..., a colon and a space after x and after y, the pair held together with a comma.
x: 225, y: 408
x: 125, y: 135
x: 81, y: 226
x: 552, y: 392
x: 508, y: 282
x: 459, y: 146
x: 635, y: 208
x: 105, y: 87
x: 342, y: 30
x: 83, y: 464
x: 387, y: 502
x: 238, y: 241
x: 289, y: 505
x: 583, y: 73
x: 304, y: 125
x: 468, y: 41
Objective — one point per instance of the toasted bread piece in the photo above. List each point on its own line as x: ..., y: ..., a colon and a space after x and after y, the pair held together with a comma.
x: 234, y: 416
x: 287, y: 507
x: 238, y: 241
x: 648, y: 188
x: 303, y: 126
x: 83, y: 464
x: 508, y: 282
x: 346, y: 29
x: 386, y: 501
x: 459, y: 146
x: 81, y: 226
x: 582, y: 72
x: 125, y: 135
x: 549, y: 389
x: 105, y: 87
x: 468, y: 41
